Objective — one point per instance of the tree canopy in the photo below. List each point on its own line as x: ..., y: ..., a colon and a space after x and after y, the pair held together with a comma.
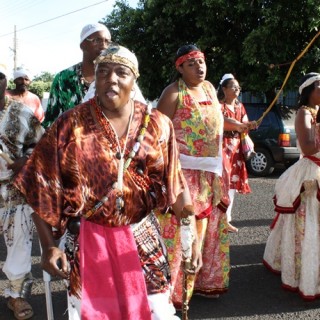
x: 253, y: 39
x: 44, y: 76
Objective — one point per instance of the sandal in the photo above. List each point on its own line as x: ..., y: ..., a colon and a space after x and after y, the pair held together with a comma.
x: 232, y: 228
x: 21, y: 308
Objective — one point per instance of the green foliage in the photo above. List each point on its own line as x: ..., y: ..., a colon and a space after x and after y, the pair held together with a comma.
x: 44, y: 76
x: 253, y: 39
x: 10, y: 85
x: 39, y: 87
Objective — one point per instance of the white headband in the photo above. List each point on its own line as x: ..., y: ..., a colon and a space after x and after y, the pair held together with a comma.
x: 226, y: 76
x: 308, y: 82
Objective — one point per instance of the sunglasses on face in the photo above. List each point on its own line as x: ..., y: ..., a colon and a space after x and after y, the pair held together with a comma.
x: 235, y: 87
x: 97, y: 41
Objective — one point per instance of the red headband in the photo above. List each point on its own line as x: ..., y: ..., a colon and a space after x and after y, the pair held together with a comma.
x: 190, y: 55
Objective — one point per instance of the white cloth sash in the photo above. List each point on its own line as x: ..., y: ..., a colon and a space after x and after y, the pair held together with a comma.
x: 210, y: 164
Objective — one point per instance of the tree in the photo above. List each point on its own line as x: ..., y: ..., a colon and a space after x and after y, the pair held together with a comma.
x: 285, y: 29
x: 44, y: 76
x: 41, y: 83
x: 250, y: 38
x: 39, y: 87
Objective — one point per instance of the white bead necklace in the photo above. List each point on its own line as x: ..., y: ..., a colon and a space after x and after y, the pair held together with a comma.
x: 120, y: 153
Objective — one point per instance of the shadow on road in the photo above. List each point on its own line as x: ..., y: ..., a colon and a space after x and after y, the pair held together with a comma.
x: 254, y: 292
x: 253, y: 223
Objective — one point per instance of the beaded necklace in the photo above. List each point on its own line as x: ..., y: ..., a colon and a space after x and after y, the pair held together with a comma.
x: 120, y: 153
x: 122, y: 168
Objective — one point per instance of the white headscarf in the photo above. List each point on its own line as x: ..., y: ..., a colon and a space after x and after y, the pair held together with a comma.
x: 21, y: 72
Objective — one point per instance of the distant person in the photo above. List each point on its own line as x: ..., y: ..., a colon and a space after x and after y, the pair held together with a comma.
x: 71, y: 85
x: 22, y: 79
x: 20, y: 130
x: 293, y: 246
x: 233, y: 109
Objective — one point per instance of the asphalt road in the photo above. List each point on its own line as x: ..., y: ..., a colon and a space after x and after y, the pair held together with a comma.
x: 254, y: 292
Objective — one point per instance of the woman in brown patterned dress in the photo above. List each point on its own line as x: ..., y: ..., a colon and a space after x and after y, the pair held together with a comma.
x: 110, y: 162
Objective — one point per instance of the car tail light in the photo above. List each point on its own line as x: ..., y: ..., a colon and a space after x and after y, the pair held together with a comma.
x: 284, y: 140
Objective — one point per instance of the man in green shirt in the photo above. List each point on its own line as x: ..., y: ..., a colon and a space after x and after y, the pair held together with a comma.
x: 70, y: 85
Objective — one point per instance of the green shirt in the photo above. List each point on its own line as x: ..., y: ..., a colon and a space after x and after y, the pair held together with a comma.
x: 67, y: 90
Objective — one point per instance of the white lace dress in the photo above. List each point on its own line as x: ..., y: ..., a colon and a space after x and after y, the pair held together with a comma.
x: 293, y: 246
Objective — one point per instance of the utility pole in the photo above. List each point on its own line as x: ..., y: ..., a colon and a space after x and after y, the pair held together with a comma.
x: 15, y: 49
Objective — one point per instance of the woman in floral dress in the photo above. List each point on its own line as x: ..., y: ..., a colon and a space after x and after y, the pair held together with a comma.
x: 191, y: 103
x: 232, y: 109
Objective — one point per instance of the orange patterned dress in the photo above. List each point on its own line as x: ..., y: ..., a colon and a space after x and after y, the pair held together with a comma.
x: 198, y: 129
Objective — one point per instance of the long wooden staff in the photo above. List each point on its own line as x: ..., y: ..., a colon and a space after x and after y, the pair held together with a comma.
x: 187, y: 238
x: 287, y: 77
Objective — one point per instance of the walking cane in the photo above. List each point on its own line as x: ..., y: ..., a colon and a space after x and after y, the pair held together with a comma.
x: 47, y: 289
x: 187, y: 237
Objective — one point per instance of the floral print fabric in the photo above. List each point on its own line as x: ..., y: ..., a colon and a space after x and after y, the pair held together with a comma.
x: 235, y: 162
x: 197, y: 126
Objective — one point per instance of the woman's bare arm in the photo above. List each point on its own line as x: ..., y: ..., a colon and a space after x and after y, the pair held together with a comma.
x: 168, y: 101
x: 305, y: 134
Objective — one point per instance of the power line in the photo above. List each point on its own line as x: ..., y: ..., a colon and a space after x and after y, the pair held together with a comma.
x: 63, y: 15
x: 17, y: 7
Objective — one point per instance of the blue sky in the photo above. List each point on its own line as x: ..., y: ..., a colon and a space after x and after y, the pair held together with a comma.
x: 53, y: 45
